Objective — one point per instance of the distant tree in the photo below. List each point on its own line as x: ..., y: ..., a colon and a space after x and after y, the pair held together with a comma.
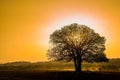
x: 77, y: 42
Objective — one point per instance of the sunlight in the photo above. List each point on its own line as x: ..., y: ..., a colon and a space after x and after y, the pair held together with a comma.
x: 59, y: 22
x: 83, y: 20
x: 67, y: 20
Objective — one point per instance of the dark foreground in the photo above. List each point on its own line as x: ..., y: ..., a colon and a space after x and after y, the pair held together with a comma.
x: 58, y: 75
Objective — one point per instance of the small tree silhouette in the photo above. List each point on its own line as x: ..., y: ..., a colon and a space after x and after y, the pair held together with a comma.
x: 77, y: 42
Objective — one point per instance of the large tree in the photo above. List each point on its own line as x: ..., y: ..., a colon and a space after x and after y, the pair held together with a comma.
x: 77, y: 42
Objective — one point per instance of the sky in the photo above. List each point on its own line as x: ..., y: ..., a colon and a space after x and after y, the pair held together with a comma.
x: 25, y: 25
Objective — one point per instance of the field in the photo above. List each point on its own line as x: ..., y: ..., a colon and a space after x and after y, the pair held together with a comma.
x: 58, y: 75
x: 60, y: 71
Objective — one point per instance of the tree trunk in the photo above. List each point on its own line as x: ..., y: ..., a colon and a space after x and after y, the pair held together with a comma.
x: 77, y: 63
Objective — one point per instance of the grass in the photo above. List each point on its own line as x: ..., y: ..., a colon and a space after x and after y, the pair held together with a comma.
x: 112, y: 66
x: 60, y: 71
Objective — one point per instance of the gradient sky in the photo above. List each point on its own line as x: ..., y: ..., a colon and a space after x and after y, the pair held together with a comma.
x: 25, y: 25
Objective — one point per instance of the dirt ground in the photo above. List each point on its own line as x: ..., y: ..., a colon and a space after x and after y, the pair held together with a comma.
x: 58, y: 75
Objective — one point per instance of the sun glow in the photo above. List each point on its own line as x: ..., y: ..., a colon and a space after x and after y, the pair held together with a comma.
x: 87, y: 20
x: 83, y: 20
x: 59, y: 22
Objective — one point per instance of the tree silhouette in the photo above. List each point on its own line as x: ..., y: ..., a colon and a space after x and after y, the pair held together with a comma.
x: 77, y: 42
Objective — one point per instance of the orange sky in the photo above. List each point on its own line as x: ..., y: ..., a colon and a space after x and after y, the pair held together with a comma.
x: 25, y: 25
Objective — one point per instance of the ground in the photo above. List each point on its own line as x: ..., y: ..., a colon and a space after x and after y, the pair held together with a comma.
x: 60, y: 71
x: 58, y: 75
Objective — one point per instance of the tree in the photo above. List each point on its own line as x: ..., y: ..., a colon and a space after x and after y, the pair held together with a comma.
x: 77, y: 42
